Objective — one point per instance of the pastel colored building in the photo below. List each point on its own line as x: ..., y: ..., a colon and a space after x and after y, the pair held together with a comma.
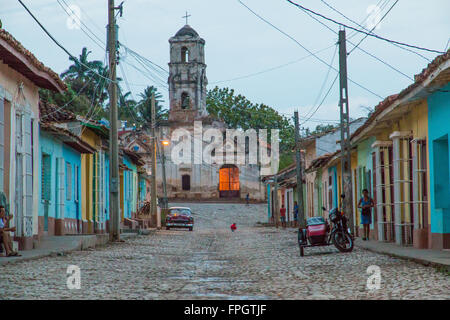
x: 60, y: 169
x: 439, y: 163
x: 401, y: 156
x: 94, y: 176
x: 21, y: 76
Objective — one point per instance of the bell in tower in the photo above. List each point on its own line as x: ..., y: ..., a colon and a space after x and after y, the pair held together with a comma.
x: 187, y: 77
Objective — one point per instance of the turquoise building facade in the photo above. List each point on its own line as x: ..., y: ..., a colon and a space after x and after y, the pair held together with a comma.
x: 59, y: 193
x: 439, y: 151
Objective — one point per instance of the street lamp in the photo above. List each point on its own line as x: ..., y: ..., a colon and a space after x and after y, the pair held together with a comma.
x: 164, y: 143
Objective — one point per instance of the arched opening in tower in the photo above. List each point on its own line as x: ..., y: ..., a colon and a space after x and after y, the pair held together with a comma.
x: 184, y: 54
x: 229, y: 185
x: 184, y: 100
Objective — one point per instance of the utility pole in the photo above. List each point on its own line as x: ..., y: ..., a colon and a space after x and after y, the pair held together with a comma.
x: 154, y: 209
x: 114, y: 213
x: 346, y: 168
x: 163, y: 167
x: 298, y: 160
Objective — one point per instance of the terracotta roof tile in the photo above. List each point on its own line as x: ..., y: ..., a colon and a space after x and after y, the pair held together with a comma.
x: 8, y: 38
x: 418, y: 80
x: 52, y: 113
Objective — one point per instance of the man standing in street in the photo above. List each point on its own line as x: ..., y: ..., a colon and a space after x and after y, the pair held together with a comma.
x: 283, y: 216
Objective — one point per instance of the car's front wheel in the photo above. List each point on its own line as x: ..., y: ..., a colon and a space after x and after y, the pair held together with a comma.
x: 190, y: 229
x: 167, y: 228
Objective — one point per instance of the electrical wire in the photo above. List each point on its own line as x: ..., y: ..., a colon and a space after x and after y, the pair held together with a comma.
x: 324, y: 82
x: 271, y: 69
x: 66, y: 104
x: 373, y: 28
x: 57, y: 43
x: 371, y: 31
x: 355, y: 46
x: 323, y: 100
x: 362, y: 31
x: 306, y: 49
x: 102, y: 44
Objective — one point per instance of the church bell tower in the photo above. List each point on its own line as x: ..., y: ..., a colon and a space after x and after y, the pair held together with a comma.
x: 187, y: 77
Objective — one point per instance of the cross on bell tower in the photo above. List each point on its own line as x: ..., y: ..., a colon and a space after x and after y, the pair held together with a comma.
x: 186, y: 17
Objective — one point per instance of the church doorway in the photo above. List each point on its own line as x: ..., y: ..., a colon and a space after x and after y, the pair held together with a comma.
x: 229, y: 186
x: 186, y: 182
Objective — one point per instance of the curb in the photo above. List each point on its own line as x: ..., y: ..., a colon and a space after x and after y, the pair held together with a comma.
x: 81, y: 245
x: 425, y: 262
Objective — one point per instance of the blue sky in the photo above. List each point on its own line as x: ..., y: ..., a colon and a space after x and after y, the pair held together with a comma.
x: 240, y: 44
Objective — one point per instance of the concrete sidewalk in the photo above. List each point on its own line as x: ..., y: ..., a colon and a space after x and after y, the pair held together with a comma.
x: 436, y: 258
x: 61, y: 245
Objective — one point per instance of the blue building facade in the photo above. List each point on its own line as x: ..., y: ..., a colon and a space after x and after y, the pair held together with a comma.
x: 439, y: 151
x: 59, y: 192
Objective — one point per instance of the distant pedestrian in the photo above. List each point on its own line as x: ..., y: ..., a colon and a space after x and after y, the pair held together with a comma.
x: 366, y: 204
x: 295, y: 212
x: 247, y: 198
x: 233, y: 227
x: 283, y: 216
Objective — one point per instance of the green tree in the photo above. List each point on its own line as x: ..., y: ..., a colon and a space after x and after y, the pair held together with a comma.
x: 127, y: 108
x: 144, y: 107
x: 87, y: 88
x: 240, y: 113
x: 82, y: 67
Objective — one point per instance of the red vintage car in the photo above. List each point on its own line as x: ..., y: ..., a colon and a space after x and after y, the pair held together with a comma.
x: 179, y: 217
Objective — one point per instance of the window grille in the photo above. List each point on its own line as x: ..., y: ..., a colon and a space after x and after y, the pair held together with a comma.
x: 68, y: 181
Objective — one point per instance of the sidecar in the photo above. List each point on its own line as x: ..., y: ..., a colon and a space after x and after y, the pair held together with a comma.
x: 315, y: 234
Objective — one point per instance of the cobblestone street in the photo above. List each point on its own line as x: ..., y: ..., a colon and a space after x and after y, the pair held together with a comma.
x: 213, y: 263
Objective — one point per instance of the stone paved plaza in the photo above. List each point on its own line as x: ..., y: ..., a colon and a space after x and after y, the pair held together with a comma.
x: 213, y: 263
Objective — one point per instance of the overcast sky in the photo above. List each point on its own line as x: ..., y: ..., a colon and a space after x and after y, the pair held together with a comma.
x: 240, y: 44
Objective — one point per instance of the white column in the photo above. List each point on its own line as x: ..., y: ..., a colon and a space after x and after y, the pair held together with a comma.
x: 397, y: 166
x: 397, y: 191
x: 377, y: 145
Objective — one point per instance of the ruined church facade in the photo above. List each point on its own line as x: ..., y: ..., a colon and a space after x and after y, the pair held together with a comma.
x: 187, y: 93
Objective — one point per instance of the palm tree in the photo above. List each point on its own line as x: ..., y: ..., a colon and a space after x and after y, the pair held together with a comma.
x: 145, y: 104
x: 127, y: 108
x: 81, y: 67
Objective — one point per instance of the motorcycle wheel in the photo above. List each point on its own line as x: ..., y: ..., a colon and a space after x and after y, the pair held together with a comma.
x: 302, y: 252
x: 343, y: 241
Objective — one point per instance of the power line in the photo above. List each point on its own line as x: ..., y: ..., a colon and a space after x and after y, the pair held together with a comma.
x: 361, y: 31
x: 57, y: 43
x: 371, y: 31
x: 324, y: 81
x: 148, y: 75
x: 306, y: 49
x: 76, y: 95
x: 144, y: 58
x: 102, y: 45
x: 273, y: 68
x: 132, y: 96
x: 323, y: 100
x: 355, y: 46
x: 354, y: 33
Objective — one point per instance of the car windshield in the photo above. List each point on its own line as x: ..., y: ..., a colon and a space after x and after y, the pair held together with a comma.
x: 185, y: 212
